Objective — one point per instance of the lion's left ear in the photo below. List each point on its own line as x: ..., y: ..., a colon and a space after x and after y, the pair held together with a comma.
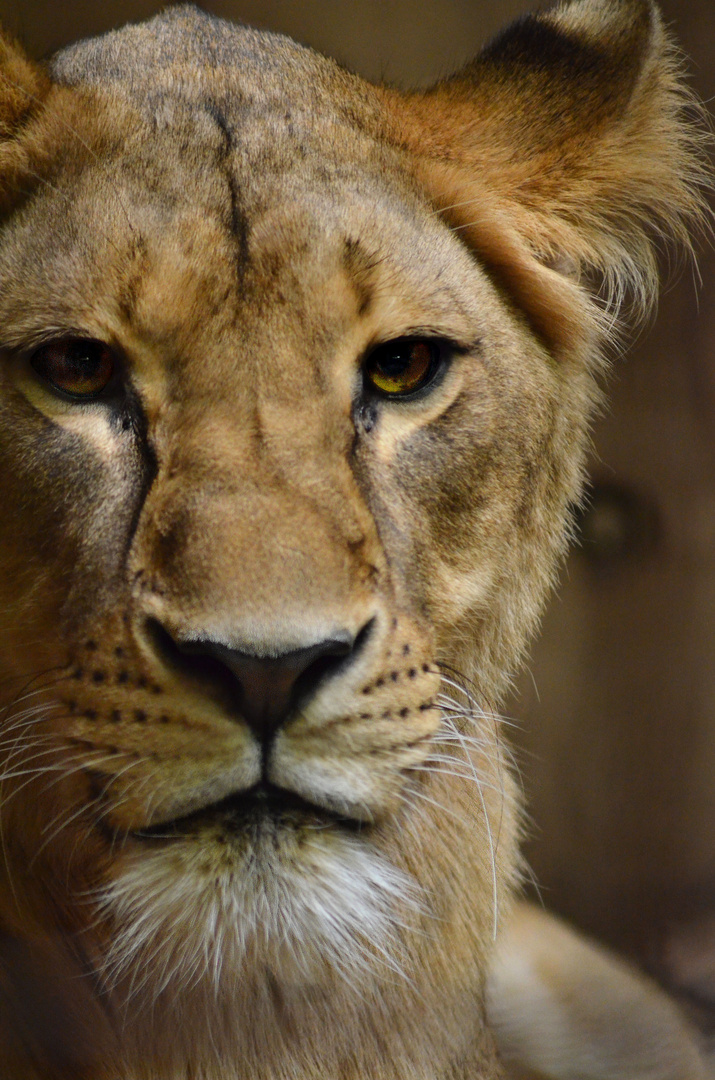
x: 572, y: 131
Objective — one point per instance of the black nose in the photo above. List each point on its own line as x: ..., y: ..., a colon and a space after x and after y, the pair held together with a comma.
x: 266, y: 690
x: 271, y: 687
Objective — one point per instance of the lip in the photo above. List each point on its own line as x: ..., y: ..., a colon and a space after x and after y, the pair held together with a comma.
x: 261, y: 803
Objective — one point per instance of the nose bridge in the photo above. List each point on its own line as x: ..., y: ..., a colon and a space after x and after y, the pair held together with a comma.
x: 257, y: 526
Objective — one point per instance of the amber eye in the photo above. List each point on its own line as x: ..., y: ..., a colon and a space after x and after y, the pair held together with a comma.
x: 78, y: 367
x: 403, y: 366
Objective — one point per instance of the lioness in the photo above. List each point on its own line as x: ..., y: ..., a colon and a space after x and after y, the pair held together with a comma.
x: 296, y: 378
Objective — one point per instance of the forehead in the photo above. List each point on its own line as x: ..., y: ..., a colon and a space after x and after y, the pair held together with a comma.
x: 244, y: 184
x: 230, y: 231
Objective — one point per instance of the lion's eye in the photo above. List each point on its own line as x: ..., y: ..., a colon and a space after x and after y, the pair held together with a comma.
x: 78, y: 367
x: 403, y: 366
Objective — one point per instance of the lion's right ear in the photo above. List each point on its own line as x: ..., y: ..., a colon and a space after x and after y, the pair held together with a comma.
x: 24, y: 86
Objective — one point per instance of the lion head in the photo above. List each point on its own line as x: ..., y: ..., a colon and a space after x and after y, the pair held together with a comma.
x: 295, y: 381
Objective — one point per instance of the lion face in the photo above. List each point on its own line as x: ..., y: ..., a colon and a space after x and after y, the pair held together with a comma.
x: 234, y: 707
x: 285, y: 465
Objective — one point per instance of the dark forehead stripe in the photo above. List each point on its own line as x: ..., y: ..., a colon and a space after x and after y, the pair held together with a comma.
x: 238, y: 223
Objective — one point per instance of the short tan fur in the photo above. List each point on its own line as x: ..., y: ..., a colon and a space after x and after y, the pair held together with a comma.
x: 257, y: 614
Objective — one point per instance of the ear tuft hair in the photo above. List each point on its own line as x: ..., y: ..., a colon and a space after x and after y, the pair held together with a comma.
x: 23, y: 87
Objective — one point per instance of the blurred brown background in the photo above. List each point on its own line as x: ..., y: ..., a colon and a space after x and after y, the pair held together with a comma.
x: 617, y: 713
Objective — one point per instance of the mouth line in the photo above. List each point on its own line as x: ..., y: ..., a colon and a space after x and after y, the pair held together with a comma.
x: 261, y: 803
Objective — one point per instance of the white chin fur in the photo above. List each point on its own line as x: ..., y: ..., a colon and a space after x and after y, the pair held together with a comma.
x: 298, y: 906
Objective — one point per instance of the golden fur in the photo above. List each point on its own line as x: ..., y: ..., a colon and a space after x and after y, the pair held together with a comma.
x: 186, y: 892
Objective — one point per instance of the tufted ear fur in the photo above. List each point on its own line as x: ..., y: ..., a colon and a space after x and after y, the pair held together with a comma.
x: 24, y: 87
x: 570, y: 140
